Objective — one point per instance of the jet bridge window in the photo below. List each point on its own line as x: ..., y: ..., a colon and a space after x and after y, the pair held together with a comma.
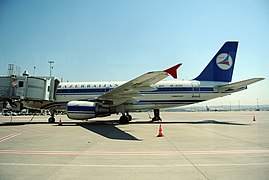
x: 21, y: 83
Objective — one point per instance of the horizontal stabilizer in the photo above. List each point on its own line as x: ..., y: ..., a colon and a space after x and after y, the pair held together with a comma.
x: 237, y: 86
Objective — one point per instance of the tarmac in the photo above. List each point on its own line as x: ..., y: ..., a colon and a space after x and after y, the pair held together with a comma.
x: 196, y: 145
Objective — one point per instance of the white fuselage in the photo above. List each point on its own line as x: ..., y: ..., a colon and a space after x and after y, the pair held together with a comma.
x: 165, y: 94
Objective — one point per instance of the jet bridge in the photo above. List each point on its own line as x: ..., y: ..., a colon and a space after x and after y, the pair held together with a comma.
x: 15, y: 89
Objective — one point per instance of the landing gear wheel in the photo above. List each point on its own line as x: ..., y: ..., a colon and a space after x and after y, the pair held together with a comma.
x: 124, y: 120
x: 129, y: 117
x: 51, y: 120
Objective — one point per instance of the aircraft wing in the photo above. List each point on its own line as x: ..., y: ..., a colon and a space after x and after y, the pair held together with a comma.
x: 237, y: 86
x: 130, y: 89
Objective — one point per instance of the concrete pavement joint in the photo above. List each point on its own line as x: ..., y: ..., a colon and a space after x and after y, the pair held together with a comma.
x: 132, y: 166
x: 186, y: 158
x: 230, y: 137
x: 178, y: 152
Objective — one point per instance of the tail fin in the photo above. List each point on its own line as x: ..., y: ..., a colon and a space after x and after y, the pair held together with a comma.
x: 221, y: 67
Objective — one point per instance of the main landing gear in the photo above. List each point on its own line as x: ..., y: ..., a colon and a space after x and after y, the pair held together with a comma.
x: 125, y: 118
x: 156, y: 117
x: 52, y: 118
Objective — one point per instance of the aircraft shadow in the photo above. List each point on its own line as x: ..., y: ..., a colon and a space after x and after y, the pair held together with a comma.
x: 192, y: 122
x: 108, y: 130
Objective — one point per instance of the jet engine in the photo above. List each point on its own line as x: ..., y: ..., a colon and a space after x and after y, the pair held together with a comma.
x: 82, y: 110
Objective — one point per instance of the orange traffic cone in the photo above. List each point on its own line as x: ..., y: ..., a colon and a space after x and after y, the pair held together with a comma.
x: 160, y: 132
x: 60, y: 122
x: 254, y: 119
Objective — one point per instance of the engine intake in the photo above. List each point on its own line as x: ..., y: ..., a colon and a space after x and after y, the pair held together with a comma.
x: 82, y: 110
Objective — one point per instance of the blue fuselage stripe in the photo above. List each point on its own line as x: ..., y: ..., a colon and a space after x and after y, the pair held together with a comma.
x: 170, y: 101
x: 79, y: 112
x: 80, y: 108
x: 167, y: 90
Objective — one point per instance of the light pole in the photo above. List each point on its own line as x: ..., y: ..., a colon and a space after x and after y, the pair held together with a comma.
x: 34, y: 71
x: 51, y: 62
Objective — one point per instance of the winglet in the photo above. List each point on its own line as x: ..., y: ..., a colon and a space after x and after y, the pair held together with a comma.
x: 173, y: 70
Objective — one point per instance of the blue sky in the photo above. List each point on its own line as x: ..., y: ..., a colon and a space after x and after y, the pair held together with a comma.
x: 119, y: 40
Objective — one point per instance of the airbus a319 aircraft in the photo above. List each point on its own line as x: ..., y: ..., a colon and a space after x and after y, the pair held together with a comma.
x: 86, y: 100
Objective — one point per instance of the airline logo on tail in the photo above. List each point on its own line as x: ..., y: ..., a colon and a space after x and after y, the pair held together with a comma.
x: 224, y: 61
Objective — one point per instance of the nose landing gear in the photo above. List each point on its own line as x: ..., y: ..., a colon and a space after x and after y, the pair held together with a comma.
x: 52, y: 118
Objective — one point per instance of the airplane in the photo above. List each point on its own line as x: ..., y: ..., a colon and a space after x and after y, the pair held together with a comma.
x: 87, y: 100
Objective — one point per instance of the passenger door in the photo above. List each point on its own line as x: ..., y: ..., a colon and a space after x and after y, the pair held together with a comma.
x: 195, y: 89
